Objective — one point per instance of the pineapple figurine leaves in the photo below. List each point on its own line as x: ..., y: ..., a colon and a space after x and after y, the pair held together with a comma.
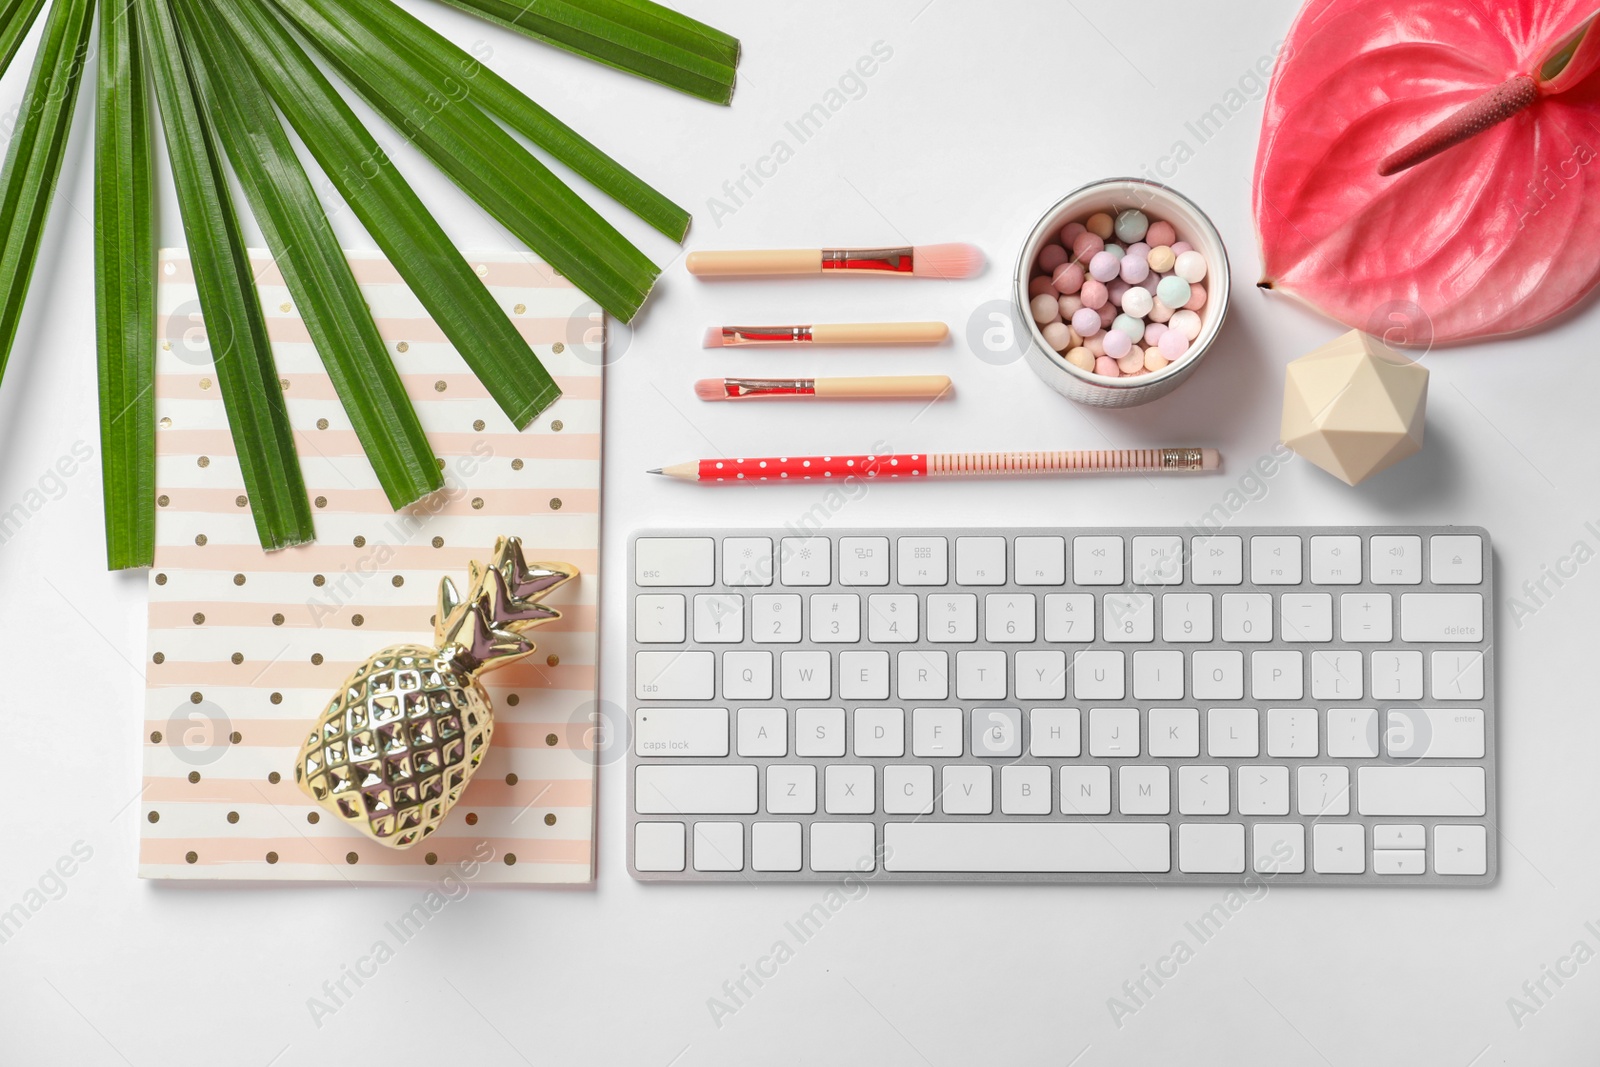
x: 400, y: 740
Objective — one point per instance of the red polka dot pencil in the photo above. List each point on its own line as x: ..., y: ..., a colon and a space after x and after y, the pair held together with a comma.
x: 946, y: 465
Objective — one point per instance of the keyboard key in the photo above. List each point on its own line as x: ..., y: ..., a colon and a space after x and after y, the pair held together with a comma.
x: 908, y: 789
x: 1292, y: 733
x: 694, y: 789
x: 1097, y: 560
x: 1263, y: 790
x: 775, y: 618
x: 674, y: 561
x: 880, y: 732
x: 1054, y: 732
x: 775, y: 846
x: 1280, y: 847
x: 863, y: 561
x: 805, y: 561
x: 996, y: 733
x: 747, y: 675
x: 1441, y: 617
x: 763, y: 732
x: 658, y: 846
x: 923, y: 561
x: 674, y: 675
x: 1396, y: 675
x: 1455, y: 559
x: 1335, y: 675
x: 843, y: 846
x: 1434, y: 733
x: 1275, y: 560
x: 1366, y: 617
x: 1353, y: 733
x: 980, y: 561
x: 1323, y: 790
x: 1277, y: 675
x: 980, y: 675
x: 1460, y: 850
x: 1218, y: 675
x: 681, y: 732
x: 1069, y: 617
x: 1144, y: 790
x: 1008, y: 617
x: 1186, y: 617
x: 1339, y: 848
x: 1114, y: 732
x: 1156, y: 675
x: 1306, y: 616
x: 968, y: 790
x: 1086, y: 791
x: 892, y: 618
x: 936, y: 732
x: 719, y: 619
x: 864, y: 675
x: 1399, y: 861
x: 1233, y: 733
x: 1096, y: 675
x: 1399, y: 835
x: 1211, y: 848
x: 1247, y: 616
x: 923, y: 675
x: 1202, y: 790
x: 791, y: 789
x: 1336, y: 560
x: 952, y: 618
x: 747, y: 561
x: 719, y: 846
x: 1041, y: 675
x: 1174, y: 732
x: 835, y: 618
x: 1456, y: 675
x: 819, y: 732
x: 1216, y: 560
x: 1158, y: 560
x: 1396, y: 560
x: 658, y: 618
x: 849, y: 789
x: 1040, y: 560
x: 1016, y: 847
x: 806, y: 675
x: 1128, y: 617
x: 1025, y: 790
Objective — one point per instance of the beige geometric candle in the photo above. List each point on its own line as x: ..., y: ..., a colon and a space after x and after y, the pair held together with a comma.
x: 1354, y: 406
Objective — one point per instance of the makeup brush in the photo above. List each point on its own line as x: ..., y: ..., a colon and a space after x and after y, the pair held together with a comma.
x: 923, y: 261
x: 904, y: 387
x: 852, y: 333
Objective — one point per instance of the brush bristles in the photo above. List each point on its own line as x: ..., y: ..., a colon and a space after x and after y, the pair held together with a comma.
x: 713, y: 337
x: 946, y: 261
x: 710, y: 389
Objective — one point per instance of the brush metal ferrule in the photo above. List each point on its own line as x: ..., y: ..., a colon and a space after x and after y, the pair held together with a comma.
x: 1182, y: 459
x: 871, y: 260
x: 733, y: 336
x: 747, y: 388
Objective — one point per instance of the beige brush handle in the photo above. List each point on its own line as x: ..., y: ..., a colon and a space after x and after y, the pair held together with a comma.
x: 736, y: 264
x: 880, y: 333
x: 925, y: 386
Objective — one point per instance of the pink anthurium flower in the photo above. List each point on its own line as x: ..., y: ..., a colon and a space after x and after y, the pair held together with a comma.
x: 1434, y: 156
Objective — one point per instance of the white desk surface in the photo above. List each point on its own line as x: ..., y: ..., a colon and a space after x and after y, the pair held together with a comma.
x: 982, y: 116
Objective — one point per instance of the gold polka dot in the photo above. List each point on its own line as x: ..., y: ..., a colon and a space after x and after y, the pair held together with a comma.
x: 516, y: 464
x: 238, y: 579
x: 520, y: 308
x: 241, y: 501
x: 472, y: 818
x: 558, y: 426
x: 191, y: 857
x: 322, y: 424
x: 558, y: 348
x: 236, y: 737
x: 274, y: 778
x: 439, y: 386
x: 196, y: 697
x: 477, y: 503
x: 431, y: 858
x: 237, y: 657
x: 205, y: 383
x: 316, y: 659
x: 159, y: 657
x: 154, y: 816
x: 397, y: 581
x: 550, y: 819
x: 194, y: 777
x: 272, y: 857
x: 163, y: 500
x: 551, y: 739
x: 513, y: 700
x: 199, y: 618
x: 277, y: 618
x: 276, y: 698
x: 318, y: 580
x: 357, y: 619
x: 161, y: 579
x: 155, y: 737
x: 511, y: 859
x: 553, y: 660
x: 233, y: 816
x: 313, y: 818
x: 555, y: 503
x: 511, y: 779
x: 359, y: 542
x: 438, y: 542
x: 285, y: 307
x: 439, y: 463
x: 166, y: 422
x: 321, y: 501
x: 483, y: 271
x: 200, y: 539
x: 283, y: 383
x: 403, y: 346
x: 478, y: 424
x: 166, y: 346
x: 352, y: 858
x: 203, y: 461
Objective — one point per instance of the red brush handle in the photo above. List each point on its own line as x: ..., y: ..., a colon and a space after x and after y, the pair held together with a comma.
x: 804, y: 468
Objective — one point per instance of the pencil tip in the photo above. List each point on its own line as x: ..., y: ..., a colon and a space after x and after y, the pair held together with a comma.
x: 656, y: 470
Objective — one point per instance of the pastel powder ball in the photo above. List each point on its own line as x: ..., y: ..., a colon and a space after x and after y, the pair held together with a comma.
x: 1107, y: 366
x: 1040, y: 284
x: 1133, y: 327
x: 1135, y: 268
x: 1086, y: 246
x: 1197, y: 298
x: 1104, y: 266
x: 1173, y: 344
x: 1187, y: 323
x: 1173, y: 291
x: 1100, y: 225
x: 1118, y: 344
x: 1046, y: 308
x: 1153, y: 332
x: 1093, y: 294
x: 1137, y: 301
x: 1132, y: 225
x: 1081, y: 358
x: 1058, y: 335
x: 1070, y: 306
x: 1161, y: 259
x: 1190, y: 266
x: 1132, y: 363
x: 1108, y: 314
x: 1051, y: 257
x: 1086, y: 321
x: 1068, y: 277
x: 1070, y: 232
x: 1161, y: 232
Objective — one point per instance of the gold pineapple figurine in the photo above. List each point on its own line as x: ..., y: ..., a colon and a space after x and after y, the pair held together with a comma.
x: 405, y: 733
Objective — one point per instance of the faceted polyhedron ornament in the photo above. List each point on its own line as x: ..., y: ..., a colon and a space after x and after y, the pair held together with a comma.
x: 403, y: 736
x: 1354, y: 407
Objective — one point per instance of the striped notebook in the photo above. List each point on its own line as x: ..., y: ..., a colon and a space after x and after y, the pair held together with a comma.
x: 246, y: 646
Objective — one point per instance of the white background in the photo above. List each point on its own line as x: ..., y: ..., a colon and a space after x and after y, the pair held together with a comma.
x: 983, y: 116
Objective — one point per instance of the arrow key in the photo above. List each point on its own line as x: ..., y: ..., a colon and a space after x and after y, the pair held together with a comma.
x: 1460, y: 849
x: 1339, y: 848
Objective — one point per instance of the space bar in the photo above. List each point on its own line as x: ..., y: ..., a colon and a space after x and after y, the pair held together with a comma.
x: 1022, y: 847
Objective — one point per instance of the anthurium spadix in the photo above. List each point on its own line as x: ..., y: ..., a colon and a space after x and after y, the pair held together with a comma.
x: 1437, y: 156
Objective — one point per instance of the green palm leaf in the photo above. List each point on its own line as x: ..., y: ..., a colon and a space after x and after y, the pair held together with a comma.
x: 235, y: 327
x: 307, y: 252
x: 16, y: 19
x: 125, y: 291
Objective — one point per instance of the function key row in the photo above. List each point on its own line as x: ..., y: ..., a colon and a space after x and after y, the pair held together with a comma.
x: 1046, y: 560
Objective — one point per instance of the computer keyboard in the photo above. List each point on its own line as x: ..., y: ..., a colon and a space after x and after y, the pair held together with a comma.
x: 1305, y: 705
